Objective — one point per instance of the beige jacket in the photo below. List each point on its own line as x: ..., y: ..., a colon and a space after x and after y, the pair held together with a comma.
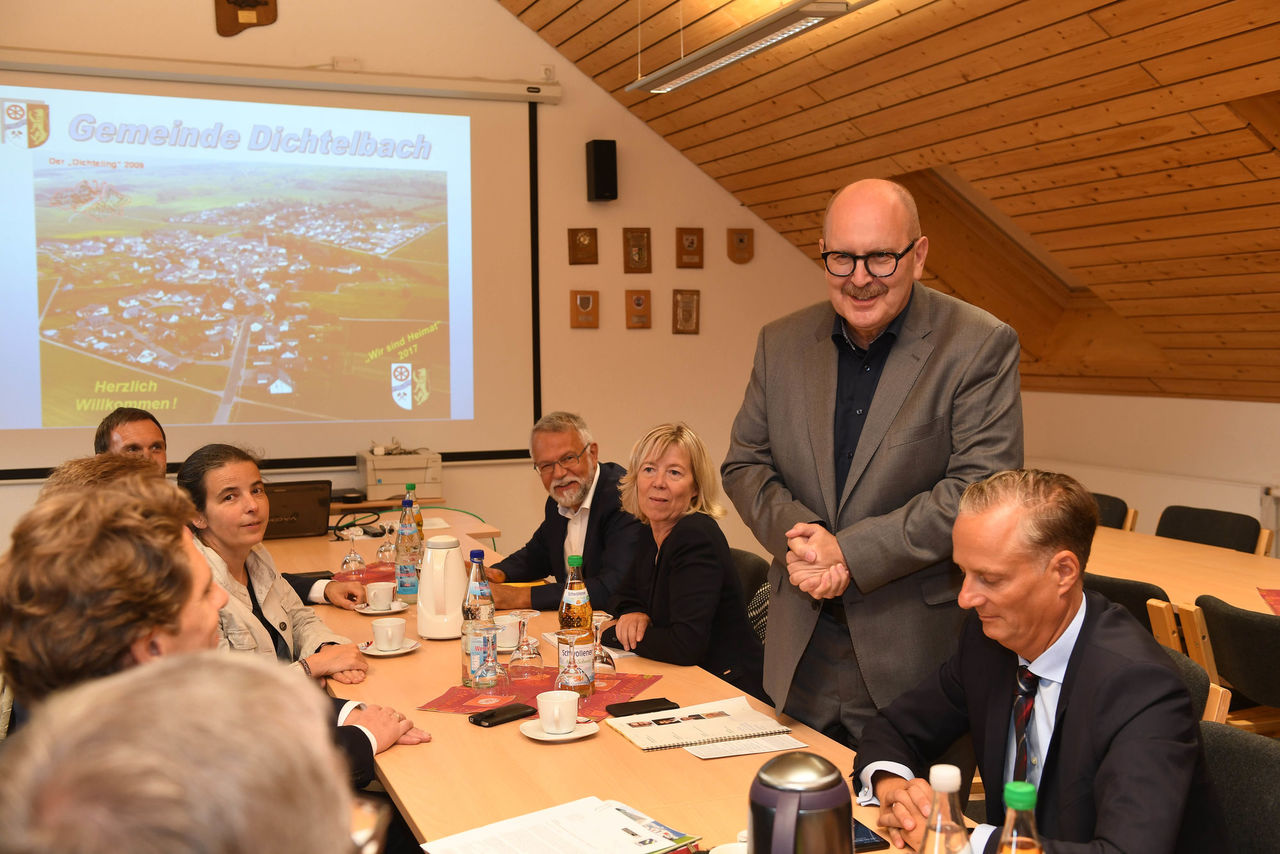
x: 241, y: 631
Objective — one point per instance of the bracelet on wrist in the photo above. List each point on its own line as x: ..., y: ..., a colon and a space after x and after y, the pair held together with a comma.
x: 306, y: 668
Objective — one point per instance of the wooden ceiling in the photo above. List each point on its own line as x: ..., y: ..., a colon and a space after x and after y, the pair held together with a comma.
x: 1102, y: 175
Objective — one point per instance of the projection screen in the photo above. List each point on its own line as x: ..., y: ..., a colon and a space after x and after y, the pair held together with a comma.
x: 300, y: 272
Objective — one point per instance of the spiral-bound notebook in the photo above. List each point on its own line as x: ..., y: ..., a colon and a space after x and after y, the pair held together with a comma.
x: 723, y: 720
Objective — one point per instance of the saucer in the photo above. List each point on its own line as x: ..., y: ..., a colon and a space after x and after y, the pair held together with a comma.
x: 533, y: 729
x: 396, y: 607
x: 368, y: 648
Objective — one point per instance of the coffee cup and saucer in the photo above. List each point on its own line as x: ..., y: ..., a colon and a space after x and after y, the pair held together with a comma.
x: 557, y: 719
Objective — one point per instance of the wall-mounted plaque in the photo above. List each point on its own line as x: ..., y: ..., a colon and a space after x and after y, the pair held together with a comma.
x: 584, y: 309
x: 742, y: 245
x: 636, y: 257
x: 639, y: 310
x: 582, y: 246
x: 232, y: 16
x: 639, y: 306
x: 688, y: 247
x: 684, y: 312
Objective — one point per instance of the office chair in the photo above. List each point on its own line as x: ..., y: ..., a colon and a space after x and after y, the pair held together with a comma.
x: 1131, y: 595
x: 1114, y: 512
x: 1244, y: 773
x: 1238, y: 648
x: 753, y: 571
x: 1220, y: 528
x: 758, y: 611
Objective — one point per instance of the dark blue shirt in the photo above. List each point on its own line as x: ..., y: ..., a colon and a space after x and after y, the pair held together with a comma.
x: 857, y: 376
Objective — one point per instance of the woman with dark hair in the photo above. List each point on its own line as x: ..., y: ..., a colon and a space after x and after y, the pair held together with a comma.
x: 264, y: 614
x: 682, y: 602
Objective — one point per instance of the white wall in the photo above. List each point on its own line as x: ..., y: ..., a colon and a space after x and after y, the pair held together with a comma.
x: 1153, y: 452
x: 1150, y: 451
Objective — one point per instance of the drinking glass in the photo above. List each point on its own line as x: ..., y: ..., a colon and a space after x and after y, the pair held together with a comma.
x: 601, y: 658
x: 571, y: 676
x: 525, y: 660
x: 352, y: 560
x: 490, y: 677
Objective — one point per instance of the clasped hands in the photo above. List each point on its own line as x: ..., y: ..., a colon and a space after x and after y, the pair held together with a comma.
x: 815, y: 562
x: 904, y: 808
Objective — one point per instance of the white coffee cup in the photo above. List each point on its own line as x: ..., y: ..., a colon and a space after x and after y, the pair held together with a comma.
x: 558, y: 711
x: 509, y: 630
x: 379, y: 594
x: 388, y: 633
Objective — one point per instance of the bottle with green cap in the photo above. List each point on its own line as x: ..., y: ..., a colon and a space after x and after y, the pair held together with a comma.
x: 411, y: 493
x: 1019, y: 833
x: 945, y: 833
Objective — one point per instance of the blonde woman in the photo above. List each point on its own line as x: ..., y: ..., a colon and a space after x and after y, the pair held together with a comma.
x: 682, y: 602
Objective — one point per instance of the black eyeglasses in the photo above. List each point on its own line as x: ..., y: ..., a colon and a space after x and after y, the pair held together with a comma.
x: 878, y: 264
x: 564, y: 462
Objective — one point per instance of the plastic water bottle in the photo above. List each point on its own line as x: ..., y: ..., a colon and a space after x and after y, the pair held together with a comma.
x: 477, y: 610
x: 1019, y: 834
x: 408, y: 554
x: 945, y: 833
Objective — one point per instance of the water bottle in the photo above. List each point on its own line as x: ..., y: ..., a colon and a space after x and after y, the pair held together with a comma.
x: 410, y: 494
x: 945, y: 833
x: 1019, y: 833
x: 477, y: 610
x: 408, y: 554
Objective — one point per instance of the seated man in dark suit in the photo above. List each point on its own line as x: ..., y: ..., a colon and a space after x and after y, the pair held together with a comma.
x: 136, y: 433
x: 103, y: 574
x: 1058, y: 687
x: 584, y: 516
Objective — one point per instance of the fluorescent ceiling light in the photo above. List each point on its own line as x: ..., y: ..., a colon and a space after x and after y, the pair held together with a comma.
x: 791, y: 20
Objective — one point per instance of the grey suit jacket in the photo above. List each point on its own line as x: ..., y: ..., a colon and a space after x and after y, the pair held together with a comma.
x: 947, y: 412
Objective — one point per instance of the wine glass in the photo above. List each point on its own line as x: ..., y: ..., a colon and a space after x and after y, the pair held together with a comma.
x: 525, y: 660
x: 601, y: 658
x: 387, y: 548
x: 490, y: 678
x: 352, y: 561
x: 571, y: 676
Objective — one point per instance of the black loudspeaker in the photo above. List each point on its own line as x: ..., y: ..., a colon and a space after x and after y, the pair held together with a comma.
x: 602, y: 170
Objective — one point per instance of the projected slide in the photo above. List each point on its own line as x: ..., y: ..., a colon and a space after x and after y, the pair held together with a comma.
x: 221, y: 262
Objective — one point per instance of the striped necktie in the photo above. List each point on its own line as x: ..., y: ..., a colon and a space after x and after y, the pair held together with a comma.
x: 1022, y: 707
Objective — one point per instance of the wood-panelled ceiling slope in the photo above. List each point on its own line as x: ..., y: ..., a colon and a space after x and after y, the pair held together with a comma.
x: 1102, y: 175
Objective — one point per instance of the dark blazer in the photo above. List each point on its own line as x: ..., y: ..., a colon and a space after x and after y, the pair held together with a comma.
x: 607, y: 549
x: 301, y: 585
x: 1125, y: 751
x: 947, y: 412
x: 691, y: 592
x: 354, y: 745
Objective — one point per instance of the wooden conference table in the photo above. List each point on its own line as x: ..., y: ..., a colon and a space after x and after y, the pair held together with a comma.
x: 1185, y: 570
x: 470, y: 776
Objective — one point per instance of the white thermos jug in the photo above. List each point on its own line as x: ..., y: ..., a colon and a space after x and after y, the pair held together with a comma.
x: 441, y: 587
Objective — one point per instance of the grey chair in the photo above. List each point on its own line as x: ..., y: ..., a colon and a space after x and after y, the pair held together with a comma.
x: 1246, y: 648
x: 1220, y: 528
x: 1244, y: 772
x: 758, y: 611
x: 1114, y: 512
x: 1131, y: 595
x: 753, y: 570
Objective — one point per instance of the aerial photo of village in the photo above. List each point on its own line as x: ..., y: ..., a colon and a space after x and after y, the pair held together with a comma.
x: 219, y: 294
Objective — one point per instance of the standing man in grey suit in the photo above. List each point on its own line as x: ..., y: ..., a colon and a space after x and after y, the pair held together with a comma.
x: 863, y: 421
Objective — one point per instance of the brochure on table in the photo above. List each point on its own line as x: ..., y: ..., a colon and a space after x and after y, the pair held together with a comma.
x: 585, y: 826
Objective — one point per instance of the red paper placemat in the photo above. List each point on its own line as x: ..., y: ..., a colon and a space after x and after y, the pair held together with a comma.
x: 610, y: 688
x: 1272, y: 598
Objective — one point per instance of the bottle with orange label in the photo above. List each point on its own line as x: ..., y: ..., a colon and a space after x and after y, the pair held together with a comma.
x: 575, y: 614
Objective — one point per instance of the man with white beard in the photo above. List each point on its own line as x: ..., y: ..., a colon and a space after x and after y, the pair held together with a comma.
x: 584, y: 516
